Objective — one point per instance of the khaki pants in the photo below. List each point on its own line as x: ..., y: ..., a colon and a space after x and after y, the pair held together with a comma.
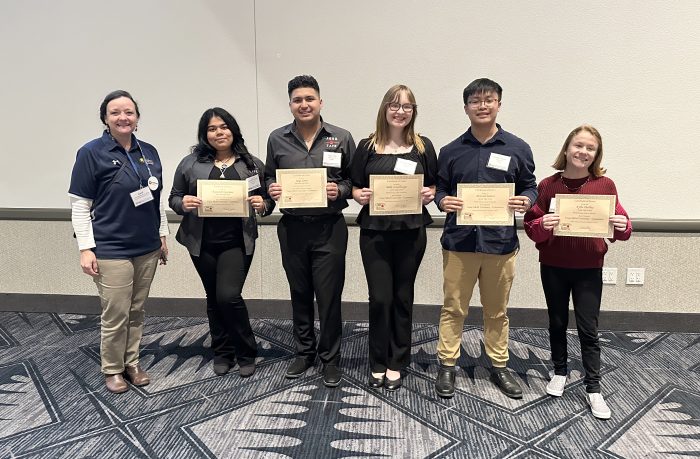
x: 495, y: 274
x: 123, y: 286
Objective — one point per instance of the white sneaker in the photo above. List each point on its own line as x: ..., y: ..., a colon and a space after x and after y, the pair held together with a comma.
x: 598, y: 406
x: 556, y: 385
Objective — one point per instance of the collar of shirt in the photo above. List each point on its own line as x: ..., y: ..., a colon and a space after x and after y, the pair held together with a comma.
x: 498, y: 137
x: 111, y: 144
x: 291, y: 129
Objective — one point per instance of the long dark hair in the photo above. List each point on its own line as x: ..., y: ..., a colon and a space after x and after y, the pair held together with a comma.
x: 205, y: 152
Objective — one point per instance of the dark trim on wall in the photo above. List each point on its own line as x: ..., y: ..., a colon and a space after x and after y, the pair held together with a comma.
x: 646, y: 225
x: 282, y: 309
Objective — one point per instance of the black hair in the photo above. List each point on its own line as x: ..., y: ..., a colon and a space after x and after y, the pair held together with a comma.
x: 302, y: 81
x: 115, y: 95
x: 205, y: 152
x: 480, y: 86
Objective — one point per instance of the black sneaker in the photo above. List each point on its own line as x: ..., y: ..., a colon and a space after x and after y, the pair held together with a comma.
x: 445, y: 381
x: 331, y: 375
x: 221, y: 366
x: 297, y: 368
x: 502, y: 378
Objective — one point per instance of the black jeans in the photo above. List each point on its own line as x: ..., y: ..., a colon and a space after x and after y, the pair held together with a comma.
x: 391, y: 260
x: 585, y: 287
x: 223, y: 269
x: 313, y: 255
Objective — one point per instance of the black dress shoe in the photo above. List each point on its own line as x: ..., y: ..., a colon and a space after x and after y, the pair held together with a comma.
x: 445, y: 381
x: 375, y: 382
x: 246, y: 370
x: 331, y: 375
x: 221, y: 366
x: 297, y: 368
x: 392, y: 384
x: 502, y: 378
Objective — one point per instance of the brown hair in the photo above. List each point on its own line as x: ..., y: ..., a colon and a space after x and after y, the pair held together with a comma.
x: 380, y: 137
x: 594, y: 169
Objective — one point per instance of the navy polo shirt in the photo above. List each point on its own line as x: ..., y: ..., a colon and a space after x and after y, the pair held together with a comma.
x: 464, y: 160
x: 121, y: 230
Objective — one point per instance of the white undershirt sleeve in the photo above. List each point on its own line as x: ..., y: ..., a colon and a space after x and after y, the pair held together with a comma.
x: 163, y: 230
x: 82, y: 223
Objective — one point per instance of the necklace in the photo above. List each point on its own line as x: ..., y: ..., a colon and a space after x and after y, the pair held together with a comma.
x: 223, y: 165
x: 573, y: 189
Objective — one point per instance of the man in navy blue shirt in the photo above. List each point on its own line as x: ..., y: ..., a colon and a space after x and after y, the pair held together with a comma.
x: 484, y: 154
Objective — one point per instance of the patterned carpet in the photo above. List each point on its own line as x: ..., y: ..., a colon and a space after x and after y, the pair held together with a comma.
x: 53, y: 403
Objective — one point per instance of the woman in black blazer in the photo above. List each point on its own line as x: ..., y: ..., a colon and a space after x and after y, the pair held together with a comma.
x: 222, y: 248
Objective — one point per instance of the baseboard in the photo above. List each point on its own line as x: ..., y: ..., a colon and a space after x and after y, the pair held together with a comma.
x: 356, y: 311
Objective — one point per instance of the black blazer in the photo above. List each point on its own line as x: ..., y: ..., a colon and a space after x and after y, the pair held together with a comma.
x: 187, y: 173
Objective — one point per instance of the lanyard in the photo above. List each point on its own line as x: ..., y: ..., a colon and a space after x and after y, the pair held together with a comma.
x: 133, y: 164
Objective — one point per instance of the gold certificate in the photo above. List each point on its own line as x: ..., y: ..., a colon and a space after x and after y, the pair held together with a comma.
x: 302, y: 187
x: 395, y: 194
x: 485, y: 204
x: 223, y: 198
x: 584, y: 215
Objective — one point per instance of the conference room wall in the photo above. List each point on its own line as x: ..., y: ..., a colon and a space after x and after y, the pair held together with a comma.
x: 40, y: 257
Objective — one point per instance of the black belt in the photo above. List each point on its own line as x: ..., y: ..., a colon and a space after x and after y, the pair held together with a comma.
x: 310, y: 218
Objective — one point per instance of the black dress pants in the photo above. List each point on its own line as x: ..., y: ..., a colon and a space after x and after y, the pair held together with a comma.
x: 585, y: 287
x: 223, y: 269
x: 391, y: 260
x: 313, y: 255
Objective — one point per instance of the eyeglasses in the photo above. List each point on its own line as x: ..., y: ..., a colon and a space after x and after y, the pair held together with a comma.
x: 489, y: 102
x: 407, y: 108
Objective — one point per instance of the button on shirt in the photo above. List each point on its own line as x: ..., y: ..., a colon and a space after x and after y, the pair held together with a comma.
x: 286, y: 150
x: 464, y: 160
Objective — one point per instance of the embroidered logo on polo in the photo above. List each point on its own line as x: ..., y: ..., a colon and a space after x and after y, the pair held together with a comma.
x: 116, y: 162
x: 332, y: 143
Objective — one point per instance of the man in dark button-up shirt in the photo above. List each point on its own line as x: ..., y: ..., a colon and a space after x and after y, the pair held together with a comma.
x: 313, y: 241
x: 484, y: 154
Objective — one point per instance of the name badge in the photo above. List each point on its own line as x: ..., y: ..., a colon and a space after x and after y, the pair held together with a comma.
x: 332, y: 159
x: 552, y: 205
x: 253, y: 182
x: 500, y: 162
x: 141, y: 196
x: 405, y: 166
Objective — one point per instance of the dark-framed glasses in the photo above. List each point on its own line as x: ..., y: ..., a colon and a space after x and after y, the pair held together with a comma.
x: 407, y: 108
x: 489, y: 102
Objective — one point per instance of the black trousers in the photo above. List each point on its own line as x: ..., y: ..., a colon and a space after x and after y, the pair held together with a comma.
x: 313, y: 255
x: 223, y: 269
x: 391, y: 260
x: 585, y: 287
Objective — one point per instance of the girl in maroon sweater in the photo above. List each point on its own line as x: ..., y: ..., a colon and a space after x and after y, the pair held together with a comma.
x: 573, y: 265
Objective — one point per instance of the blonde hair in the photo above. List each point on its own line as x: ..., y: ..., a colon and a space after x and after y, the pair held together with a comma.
x: 595, y: 168
x: 380, y: 137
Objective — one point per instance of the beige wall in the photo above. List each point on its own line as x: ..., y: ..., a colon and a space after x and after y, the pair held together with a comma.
x: 41, y: 257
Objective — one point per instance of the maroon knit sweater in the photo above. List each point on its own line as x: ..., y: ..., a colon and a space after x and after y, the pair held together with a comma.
x: 571, y: 252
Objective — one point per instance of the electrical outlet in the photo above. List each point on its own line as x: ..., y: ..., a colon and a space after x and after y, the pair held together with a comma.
x: 610, y: 275
x: 635, y: 276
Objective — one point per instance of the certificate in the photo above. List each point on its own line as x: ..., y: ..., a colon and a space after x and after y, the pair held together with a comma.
x: 395, y: 194
x: 584, y: 215
x: 223, y: 198
x: 485, y: 204
x: 302, y: 187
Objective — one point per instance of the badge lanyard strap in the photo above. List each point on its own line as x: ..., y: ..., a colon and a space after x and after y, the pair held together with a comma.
x: 133, y: 164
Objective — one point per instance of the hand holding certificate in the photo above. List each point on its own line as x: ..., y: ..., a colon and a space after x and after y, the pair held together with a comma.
x: 395, y: 194
x: 485, y: 204
x: 302, y: 187
x: 584, y: 215
x: 223, y: 198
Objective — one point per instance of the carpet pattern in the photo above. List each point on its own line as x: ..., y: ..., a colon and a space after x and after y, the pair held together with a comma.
x: 53, y: 403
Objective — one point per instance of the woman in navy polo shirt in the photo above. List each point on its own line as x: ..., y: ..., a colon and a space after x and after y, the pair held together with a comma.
x: 120, y: 226
x: 222, y: 248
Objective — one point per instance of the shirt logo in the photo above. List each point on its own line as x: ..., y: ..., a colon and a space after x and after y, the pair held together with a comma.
x: 116, y: 162
x: 332, y: 143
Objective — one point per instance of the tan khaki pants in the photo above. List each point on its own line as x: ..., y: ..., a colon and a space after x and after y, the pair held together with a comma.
x: 123, y: 286
x: 495, y: 274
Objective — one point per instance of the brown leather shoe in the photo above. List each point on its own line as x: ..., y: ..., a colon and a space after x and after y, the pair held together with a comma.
x: 116, y: 384
x: 136, y: 375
